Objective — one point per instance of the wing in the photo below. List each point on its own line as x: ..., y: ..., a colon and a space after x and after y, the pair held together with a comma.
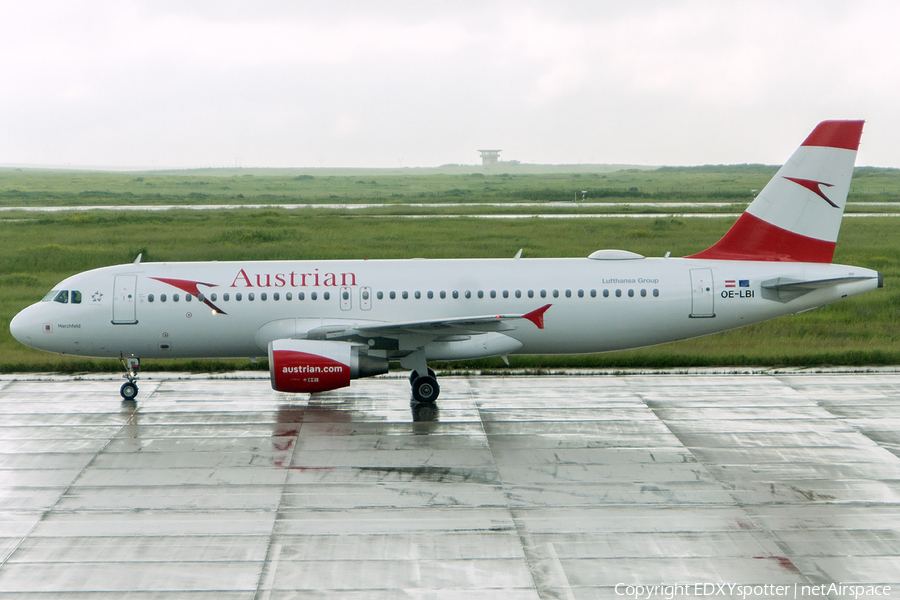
x: 432, y: 328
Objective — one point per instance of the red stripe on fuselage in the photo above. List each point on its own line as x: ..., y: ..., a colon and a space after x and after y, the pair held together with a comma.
x: 751, y: 238
x: 836, y: 134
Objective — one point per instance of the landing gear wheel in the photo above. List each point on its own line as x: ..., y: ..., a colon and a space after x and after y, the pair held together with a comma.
x: 426, y: 389
x: 413, y: 375
x: 129, y: 391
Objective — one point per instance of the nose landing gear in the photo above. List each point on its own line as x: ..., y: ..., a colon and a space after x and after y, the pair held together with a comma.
x: 129, y: 389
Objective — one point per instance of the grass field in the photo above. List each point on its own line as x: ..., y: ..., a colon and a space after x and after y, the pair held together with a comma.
x: 474, y: 185
x: 40, y: 249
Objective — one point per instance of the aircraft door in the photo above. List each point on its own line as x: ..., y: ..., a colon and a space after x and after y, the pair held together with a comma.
x: 346, y: 298
x: 124, y: 300
x: 702, y: 294
x: 365, y: 298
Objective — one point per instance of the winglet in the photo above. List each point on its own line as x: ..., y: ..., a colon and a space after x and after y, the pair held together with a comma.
x: 537, y: 316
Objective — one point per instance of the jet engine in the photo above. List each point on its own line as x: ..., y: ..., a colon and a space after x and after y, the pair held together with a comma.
x: 318, y: 366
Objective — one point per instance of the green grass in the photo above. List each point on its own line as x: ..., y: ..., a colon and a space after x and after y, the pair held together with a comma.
x: 40, y: 250
x: 472, y: 185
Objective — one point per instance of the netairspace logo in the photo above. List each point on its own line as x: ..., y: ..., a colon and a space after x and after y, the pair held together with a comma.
x: 768, y: 591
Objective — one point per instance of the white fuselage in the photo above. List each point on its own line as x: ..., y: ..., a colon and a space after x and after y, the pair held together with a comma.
x: 597, y: 305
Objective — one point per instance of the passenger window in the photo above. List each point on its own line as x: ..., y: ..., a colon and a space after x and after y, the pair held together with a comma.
x: 76, y: 297
x: 162, y: 297
x: 593, y: 293
x: 556, y: 293
x: 213, y: 297
x: 405, y: 295
x: 226, y: 296
x: 393, y: 295
x: 263, y: 296
x: 468, y: 294
x: 506, y: 293
x: 380, y: 295
x: 238, y: 297
x: 301, y: 296
x: 543, y: 293
x: 618, y: 293
x: 518, y: 293
x: 643, y: 293
x: 480, y: 294
x: 346, y: 295
x: 656, y: 293
x: 418, y: 295
x: 313, y: 296
x: 606, y: 293
x: 188, y: 297
x: 175, y: 297
x: 150, y: 298
x: 443, y: 294
x: 251, y: 297
x: 581, y: 293
x: 325, y: 296
x: 455, y: 294
x: 276, y: 296
x: 430, y: 295
x: 288, y: 296
x: 631, y: 293
x: 531, y: 293
x: 493, y: 293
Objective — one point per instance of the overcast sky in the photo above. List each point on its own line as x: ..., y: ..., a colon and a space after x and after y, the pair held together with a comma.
x: 161, y: 84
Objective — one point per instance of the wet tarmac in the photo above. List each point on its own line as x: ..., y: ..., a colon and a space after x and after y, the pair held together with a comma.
x: 517, y: 487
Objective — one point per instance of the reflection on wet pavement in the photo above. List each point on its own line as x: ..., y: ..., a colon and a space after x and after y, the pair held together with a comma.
x: 517, y: 487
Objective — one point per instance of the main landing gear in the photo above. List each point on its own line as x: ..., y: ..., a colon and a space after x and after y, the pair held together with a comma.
x: 129, y: 389
x: 425, y: 388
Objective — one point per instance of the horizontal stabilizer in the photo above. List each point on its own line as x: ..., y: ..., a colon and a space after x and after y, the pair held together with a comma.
x: 785, y: 289
x: 788, y: 284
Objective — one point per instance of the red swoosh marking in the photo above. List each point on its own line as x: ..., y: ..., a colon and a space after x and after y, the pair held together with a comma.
x: 190, y: 287
x: 813, y: 186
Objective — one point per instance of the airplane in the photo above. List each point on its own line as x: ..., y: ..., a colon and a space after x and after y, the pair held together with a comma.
x: 323, y: 323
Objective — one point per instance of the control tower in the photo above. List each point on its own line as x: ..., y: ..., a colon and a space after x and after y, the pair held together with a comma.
x: 489, y: 157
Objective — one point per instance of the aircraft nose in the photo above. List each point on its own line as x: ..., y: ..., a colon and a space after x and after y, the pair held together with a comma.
x: 20, y: 328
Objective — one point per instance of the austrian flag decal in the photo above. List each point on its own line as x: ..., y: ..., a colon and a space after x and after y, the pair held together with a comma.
x: 730, y: 283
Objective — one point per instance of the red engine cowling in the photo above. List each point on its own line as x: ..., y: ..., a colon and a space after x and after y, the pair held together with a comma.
x: 318, y: 366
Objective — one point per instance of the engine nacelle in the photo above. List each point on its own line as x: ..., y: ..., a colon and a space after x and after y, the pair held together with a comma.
x: 318, y: 366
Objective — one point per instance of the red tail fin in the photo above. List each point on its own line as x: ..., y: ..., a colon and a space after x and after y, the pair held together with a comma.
x: 797, y: 216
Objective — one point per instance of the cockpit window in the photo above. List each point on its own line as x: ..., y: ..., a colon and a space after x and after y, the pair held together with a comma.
x: 63, y: 296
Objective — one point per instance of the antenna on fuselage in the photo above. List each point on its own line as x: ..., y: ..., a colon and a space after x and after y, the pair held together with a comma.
x: 137, y: 261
